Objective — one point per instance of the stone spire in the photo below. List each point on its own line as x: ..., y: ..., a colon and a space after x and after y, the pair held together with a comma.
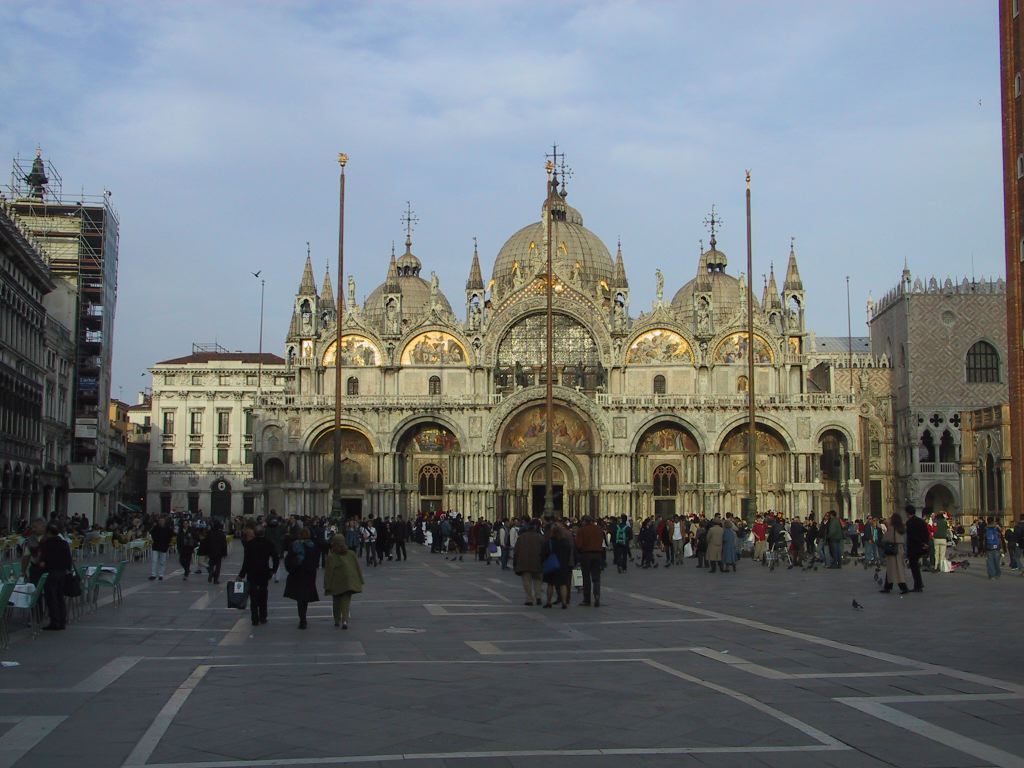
x: 308, y: 285
x: 772, y: 297
x: 391, y: 282
x: 327, y: 292
x: 476, y: 280
x: 620, y: 268
x: 793, y: 281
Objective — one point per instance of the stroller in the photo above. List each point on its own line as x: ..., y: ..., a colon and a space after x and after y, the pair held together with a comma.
x: 778, y: 554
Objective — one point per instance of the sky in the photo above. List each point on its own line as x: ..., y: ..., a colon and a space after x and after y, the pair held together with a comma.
x: 872, y: 131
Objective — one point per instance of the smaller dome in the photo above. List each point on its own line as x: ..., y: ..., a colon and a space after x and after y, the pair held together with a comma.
x: 406, y: 280
x: 408, y: 264
x: 727, y: 298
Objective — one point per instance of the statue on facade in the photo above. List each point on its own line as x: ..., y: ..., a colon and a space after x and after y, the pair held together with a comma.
x: 659, y: 285
x: 351, y: 292
x: 574, y: 276
x: 391, y: 320
x: 703, y: 317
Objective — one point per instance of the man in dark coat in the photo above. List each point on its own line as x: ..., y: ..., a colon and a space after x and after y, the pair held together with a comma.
x: 259, y: 563
x: 399, y: 533
x: 215, y: 547
x: 161, y: 534
x: 55, y: 560
x: 917, y: 544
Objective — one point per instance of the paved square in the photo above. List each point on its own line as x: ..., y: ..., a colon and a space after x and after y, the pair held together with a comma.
x: 444, y: 665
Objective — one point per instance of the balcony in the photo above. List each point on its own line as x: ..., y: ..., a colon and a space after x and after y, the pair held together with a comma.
x: 282, y: 400
x: 938, y: 468
x: 167, y: 439
x: 224, y: 438
x: 762, y: 402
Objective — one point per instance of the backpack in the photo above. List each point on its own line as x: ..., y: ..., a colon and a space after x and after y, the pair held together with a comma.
x: 991, y: 538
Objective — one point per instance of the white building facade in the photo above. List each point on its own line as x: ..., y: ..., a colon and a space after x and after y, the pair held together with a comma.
x: 201, y: 435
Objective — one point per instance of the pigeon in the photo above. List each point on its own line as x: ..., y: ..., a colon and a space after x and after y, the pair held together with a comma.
x: 857, y: 606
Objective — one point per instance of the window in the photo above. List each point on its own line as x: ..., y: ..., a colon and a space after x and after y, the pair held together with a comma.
x: 168, y: 379
x: 224, y: 380
x: 197, y: 379
x: 434, y: 385
x: 193, y: 502
x: 193, y: 456
x: 248, y: 456
x: 250, y: 379
x: 223, y: 422
x: 146, y: 423
x: 982, y: 364
x: 352, y: 388
x: 195, y: 421
x: 431, y: 480
x: 165, y: 503
x: 168, y: 456
x: 659, y: 385
x: 168, y: 422
x: 666, y: 480
x: 741, y: 384
x: 222, y: 455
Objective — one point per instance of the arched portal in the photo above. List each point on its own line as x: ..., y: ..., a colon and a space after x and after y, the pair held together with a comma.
x: 668, y: 445
x: 940, y: 499
x: 220, y: 498
x: 834, y: 470
x: 357, y: 471
x: 426, y: 462
x: 522, y: 449
x: 771, y: 463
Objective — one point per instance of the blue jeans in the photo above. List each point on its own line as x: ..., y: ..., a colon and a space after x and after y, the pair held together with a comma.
x: 870, y: 552
x: 836, y: 550
x: 992, y: 563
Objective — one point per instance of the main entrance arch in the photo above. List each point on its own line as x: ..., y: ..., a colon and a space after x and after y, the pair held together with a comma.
x: 426, y: 464
x: 771, y: 463
x: 522, y: 455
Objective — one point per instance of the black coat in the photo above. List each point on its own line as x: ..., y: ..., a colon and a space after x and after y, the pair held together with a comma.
x: 161, y: 537
x: 301, y: 583
x: 215, y: 545
x: 917, y: 536
x: 259, y: 561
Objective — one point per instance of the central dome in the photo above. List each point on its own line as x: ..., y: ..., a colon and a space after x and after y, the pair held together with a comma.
x: 573, y: 243
x: 727, y: 297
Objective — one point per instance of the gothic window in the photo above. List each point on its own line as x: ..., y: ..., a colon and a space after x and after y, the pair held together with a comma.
x: 666, y: 480
x: 353, y: 386
x: 434, y: 385
x: 525, y: 343
x: 947, y: 447
x: 431, y: 480
x: 927, y: 450
x: 659, y: 385
x: 982, y: 364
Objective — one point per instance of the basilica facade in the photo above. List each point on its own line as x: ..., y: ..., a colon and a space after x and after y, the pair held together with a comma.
x: 445, y: 410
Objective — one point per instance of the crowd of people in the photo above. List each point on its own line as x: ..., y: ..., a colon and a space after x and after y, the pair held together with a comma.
x: 549, y: 555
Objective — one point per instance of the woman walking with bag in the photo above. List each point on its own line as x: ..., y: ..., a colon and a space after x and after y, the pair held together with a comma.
x: 301, y: 564
x: 558, y: 565
x: 894, y: 547
x: 342, y: 579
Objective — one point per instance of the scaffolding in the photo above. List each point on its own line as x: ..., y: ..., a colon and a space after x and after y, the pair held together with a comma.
x: 78, y: 239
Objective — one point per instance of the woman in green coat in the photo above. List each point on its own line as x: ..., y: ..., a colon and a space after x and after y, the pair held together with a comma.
x: 342, y: 579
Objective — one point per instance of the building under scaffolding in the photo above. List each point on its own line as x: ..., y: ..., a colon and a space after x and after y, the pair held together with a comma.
x: 78, y: 236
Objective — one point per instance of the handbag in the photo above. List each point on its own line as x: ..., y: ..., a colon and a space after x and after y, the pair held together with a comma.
x: 72, y: 584
x: 238, y: 594
x: 890, y: 548
x: 551, y: 563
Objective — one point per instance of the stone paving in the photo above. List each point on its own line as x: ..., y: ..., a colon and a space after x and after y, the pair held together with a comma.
x: 444, y: 665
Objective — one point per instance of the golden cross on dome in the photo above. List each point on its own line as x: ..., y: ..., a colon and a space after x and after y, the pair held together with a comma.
x: 409, y: 220
x: 713, y: 221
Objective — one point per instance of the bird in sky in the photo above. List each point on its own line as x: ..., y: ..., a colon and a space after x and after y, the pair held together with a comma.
x: 257, y: 273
